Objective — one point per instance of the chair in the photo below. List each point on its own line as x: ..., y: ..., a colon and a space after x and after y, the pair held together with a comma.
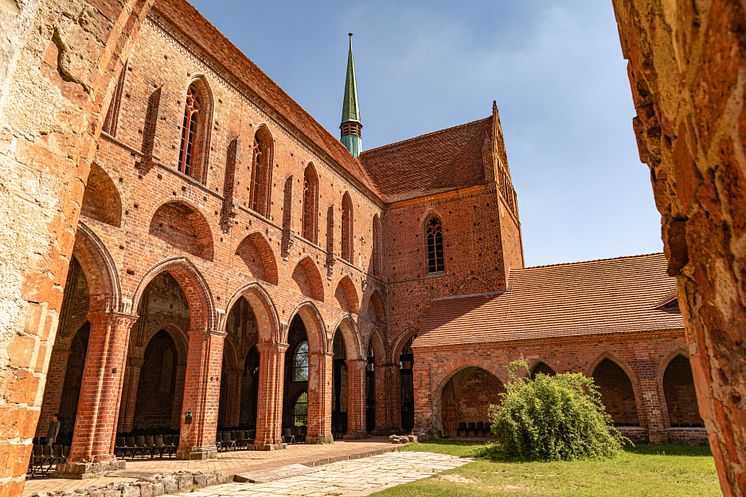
x: 480, y: 429
x: 129, y: 442
x: 159, y: 447
x: 150, y: 445
x: 243, y: 439
x: 58, y: 455
x: 120, y: 448
x: 228, y: 442
x: 168, y: 441
x: 287, y: 436
x: 461, y: 430
x: 471, y: 428
x: 140, y: 447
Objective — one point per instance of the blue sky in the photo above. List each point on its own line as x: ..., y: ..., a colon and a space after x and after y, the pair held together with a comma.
x: 554, y: 68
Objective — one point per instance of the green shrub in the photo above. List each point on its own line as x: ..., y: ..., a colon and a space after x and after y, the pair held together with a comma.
x: 553, y: 418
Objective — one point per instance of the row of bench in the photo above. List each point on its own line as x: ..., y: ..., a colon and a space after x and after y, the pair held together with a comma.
x: 134, y: 446
x: 45, y: 458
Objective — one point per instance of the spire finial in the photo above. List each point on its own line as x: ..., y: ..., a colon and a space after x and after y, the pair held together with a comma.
x: 351, y: 126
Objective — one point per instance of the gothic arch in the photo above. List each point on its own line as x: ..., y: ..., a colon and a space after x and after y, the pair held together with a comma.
x: 376, y: 310
x: 346, y: 295
x: 308, y: 279
x: 191, y: 282
x: 101, y: 200
x: 262, y: 161
x: 401, y: 341
x: 541, y: 367
x: 264, y: 309
x: 184, y: 227
x: 483, y: 388
x: 257, y: 255
x: 677, y: 385
x: 314, y: 324
x: 194, y: 149
x: 177, y: 335
x: 310, y: 208
x: 617, y: 396
x: 351, y: 336
x: 98, y: 268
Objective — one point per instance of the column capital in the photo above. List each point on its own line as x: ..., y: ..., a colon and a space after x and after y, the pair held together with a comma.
x: 115, y: 317
x: 321, y: 353
x: 207, y: 331
x: 354, y: 361
x: 272, y: 347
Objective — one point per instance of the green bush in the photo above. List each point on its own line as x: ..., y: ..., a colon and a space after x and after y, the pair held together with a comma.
x: 553, y: 418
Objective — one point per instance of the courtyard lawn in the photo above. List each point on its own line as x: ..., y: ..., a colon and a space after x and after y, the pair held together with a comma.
x: 645, y: 470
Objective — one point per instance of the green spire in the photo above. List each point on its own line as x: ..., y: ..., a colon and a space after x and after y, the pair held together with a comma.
x: 351, y: 126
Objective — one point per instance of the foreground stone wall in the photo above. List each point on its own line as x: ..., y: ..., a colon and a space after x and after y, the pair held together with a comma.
x: 687, y: 64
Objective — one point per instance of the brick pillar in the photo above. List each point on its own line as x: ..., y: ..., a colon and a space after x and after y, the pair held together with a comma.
x: 356, y: 398
x: 423, y: 398
x: 651, y: 412
x: 201, y: 395
x: 129, y: 394
x: 92, y: 450
x: 385, y: 386
x: 233, y: 409
x: 320, y: 397
x: 271, y: 384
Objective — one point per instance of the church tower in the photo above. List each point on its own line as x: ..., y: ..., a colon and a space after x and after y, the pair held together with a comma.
x: 351, y: 127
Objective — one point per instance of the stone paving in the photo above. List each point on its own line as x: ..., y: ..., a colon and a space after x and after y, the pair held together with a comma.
x: 234, y: 462
x: 353, y: 478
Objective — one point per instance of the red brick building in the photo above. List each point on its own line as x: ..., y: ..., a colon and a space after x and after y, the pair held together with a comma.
x: 235, y: 265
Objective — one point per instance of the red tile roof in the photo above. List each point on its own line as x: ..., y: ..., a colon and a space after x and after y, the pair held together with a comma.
x: 621, y: 295
x: 432, y: 163
x: 193, y: 25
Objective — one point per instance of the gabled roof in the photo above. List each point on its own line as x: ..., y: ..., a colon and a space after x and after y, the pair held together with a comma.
x: 432, y: 163
x: 193, y: 25
x: 621, y: 295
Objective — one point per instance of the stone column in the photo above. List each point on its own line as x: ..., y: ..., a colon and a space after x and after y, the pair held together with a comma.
x: 270, y: 398
x: 356, y: 398
x: 320, y: 397
x: 201, y: 395
x: 129, y: 394
x: 92, y: 451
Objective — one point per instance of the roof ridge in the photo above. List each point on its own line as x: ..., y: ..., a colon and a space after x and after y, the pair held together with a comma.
x: 431, y: 133
x: 469, y: 296
x: 589, y: 261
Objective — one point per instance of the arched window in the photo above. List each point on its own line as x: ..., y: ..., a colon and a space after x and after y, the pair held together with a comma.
x: 434, y: 234
x: 193, y: 133
x: 300, y: 362
x: 310, y: 204
x: 347, y: 228
x: 375, y: 259
x: 300, y: 411
x: 261, y: 172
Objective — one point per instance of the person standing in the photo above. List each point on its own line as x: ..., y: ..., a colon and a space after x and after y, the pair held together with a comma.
x: 54, y: 430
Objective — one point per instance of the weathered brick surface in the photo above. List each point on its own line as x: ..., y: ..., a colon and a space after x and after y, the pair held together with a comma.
x: 686, y: 69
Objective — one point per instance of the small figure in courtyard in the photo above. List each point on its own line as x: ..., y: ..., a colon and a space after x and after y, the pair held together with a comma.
x: 54, y: 430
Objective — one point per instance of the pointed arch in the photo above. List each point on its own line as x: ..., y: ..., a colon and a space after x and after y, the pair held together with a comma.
x: 348, y: 228
x: 184, y: 227
x: 617, y: 391
x: 678, y: 390
x: 463, y: 398
x: 192, y: 283
x: 377, y: 343
x: 101, y: 200
x: 261, y: 171
x: 99, y: 269
x: 376, y: 309
x: 257, y: 255
x: 262, y: 306
x: 313, y: 323
x: 346, y: 295
x: 542, y: 368
x: 350, y: 335
x: 308, y: 279
x: 194, y: 145
x: 310, y: 210
x: 434, y: 244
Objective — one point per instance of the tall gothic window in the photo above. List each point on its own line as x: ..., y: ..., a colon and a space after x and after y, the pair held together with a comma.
x: 434, y: 236
x: 347, y: 228
x: 261, y: 172
x: 300, y: 362
x: 189, y: 131
x: 310, y: 204
x: 112, y: 115
x: 375, y: 259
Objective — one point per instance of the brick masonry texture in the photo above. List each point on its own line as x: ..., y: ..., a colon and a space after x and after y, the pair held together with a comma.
x: 170, y: 281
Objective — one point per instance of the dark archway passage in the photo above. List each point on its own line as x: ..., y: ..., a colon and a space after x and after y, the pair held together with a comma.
x: 370, y: 390
x: 156, y: 393
x: 465, y: 399
x: 542, y: 368
x: 71, y: 388
x: 295, y: 400
x: 681, y: 400
x: 406, y: 382
x: 617, y: 393
x: 339, y: 388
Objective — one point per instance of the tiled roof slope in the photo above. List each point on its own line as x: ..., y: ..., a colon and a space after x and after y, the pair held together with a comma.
x: 619, y: 295
x: 189, y: 21
x: 431, y: 163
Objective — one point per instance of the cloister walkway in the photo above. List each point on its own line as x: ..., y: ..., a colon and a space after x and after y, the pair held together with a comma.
x: 233, y: 462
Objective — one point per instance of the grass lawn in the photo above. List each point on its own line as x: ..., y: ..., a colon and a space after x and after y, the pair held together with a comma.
x: 645, y: 470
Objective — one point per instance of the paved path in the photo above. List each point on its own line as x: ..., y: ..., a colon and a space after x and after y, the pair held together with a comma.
x: 344, y: 479
x: 227, y: 462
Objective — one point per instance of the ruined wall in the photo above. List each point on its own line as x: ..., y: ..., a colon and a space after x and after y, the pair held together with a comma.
x: 687, y: 69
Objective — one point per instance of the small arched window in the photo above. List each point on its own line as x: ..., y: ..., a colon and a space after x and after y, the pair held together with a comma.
x: 375, y: 259
x: 261, y: 172
x: 310, y: 204
x: 193, y: 133
x: 347, y: 228
x: 300, y: 411
x: 434, y: 235
x: 300, y: 362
